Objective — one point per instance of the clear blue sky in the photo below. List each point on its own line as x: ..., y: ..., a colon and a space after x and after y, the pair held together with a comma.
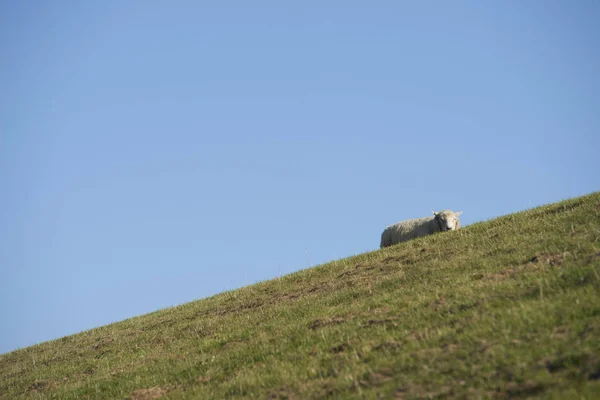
x: 153, y: 153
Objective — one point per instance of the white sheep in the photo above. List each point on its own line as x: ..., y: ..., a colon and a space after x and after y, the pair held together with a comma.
x: 445, y: 220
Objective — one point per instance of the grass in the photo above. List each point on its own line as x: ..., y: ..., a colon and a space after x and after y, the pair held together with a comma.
x: 506, y: 308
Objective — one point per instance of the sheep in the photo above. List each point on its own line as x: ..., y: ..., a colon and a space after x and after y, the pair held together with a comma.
x: 445, y: 220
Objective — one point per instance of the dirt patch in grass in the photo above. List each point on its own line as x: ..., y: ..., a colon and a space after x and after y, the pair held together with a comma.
x: 165, y: 323
x: 102, y: 342
x: 450, y: 347
x: 233, y: 343
x: 440, y: 301
x: 378, y: 377
x: 549, y: 259
x: 384, y: 266
x: 90, y: 370
x: 339, y: 348
x: 536, y: 263
x: 161, y: 340
x: 594, y: 257
x: 412, y: 391
x: 587, y: 364
x: 203, y: 379
x: 41, y: 384
x: 426, y: 354
x: 404, y: 259
x: 347, y: 274
x: 514, y: 389
x: 499, y: 276
x: 235, y: 308
x: 560, y: 333
x: 319, y: 323
x: 373, y: 269
x: 387, y: 346
x: 372, y: 322
x: 283, y: 392
x: 240, y: 307
x: 314, y: 289
x: 149, y: 394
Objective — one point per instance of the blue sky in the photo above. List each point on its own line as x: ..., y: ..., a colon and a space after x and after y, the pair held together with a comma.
x: 154, y: 153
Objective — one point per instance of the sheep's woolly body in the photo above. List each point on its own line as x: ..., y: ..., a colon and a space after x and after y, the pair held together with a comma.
x: 409, y: 229
x: 414, y: 228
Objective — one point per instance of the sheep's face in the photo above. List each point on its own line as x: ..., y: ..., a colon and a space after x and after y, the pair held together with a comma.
x: 447, y: 220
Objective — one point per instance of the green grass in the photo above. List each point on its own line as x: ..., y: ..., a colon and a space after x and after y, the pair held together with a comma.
x: 506, y: 308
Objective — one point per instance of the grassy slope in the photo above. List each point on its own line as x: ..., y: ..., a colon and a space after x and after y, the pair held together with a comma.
x: 505, y: 308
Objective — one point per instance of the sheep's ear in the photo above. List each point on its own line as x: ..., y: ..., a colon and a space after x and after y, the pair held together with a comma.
x: 434, y: 213
x: 458, y: 213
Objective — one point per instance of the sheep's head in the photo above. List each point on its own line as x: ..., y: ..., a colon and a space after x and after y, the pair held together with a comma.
x: 447, y: 220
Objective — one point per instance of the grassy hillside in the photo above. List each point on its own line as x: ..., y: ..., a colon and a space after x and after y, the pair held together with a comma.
x: 504, y: 308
